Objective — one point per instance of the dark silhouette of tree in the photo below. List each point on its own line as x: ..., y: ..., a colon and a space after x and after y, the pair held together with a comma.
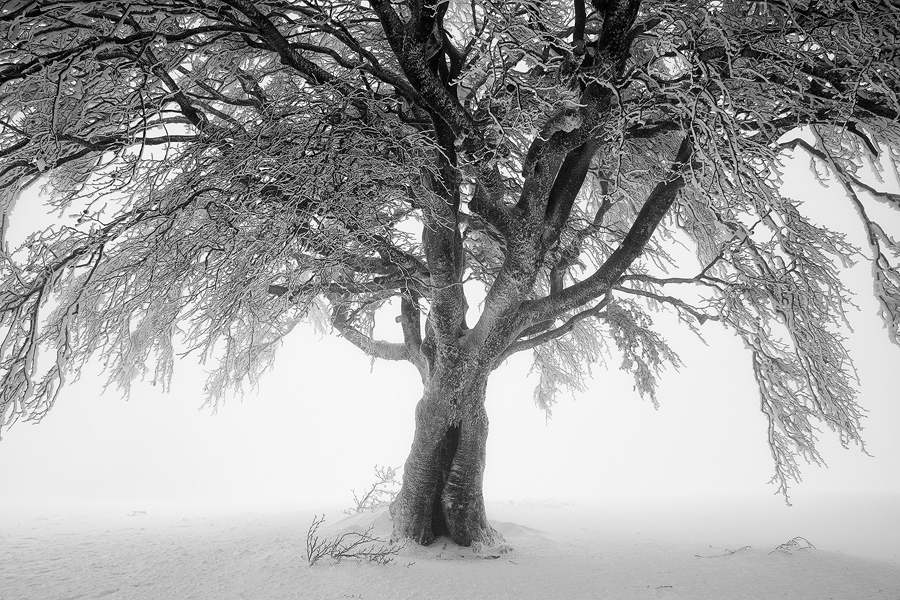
x: 224, y: 169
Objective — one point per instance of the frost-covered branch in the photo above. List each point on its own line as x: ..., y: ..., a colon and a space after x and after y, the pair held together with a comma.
x: 680, y: 305
x: 552, y: 334
x: 374, y: 348
x: 885, y: 250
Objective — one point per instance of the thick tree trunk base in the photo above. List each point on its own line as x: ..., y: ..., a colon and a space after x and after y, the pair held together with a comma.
x: 442, y: 479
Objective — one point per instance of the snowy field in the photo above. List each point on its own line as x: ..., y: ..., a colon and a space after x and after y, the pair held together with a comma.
x: 560, y: 550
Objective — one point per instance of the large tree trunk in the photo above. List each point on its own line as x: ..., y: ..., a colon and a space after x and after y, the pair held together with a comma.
x: 442, y: 478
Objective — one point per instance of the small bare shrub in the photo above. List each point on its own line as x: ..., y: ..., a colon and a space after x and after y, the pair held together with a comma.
x: 726, y: 553
x: 380, y: 494
x: 362, y: 547
x: 797, y: 543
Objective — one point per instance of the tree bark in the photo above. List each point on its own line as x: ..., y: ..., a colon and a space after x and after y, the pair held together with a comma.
x: 442, y: 479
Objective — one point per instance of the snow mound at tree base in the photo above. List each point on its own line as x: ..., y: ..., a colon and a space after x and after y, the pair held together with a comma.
x: 378, y: 524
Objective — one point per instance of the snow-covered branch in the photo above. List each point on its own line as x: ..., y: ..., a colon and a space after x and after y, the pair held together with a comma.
x: 340, y: 320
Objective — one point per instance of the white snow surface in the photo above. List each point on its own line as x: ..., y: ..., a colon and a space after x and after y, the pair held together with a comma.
x: 560, y: 550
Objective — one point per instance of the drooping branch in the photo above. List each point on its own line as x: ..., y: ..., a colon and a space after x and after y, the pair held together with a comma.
x: 886, y: 274
x: 891, y: 198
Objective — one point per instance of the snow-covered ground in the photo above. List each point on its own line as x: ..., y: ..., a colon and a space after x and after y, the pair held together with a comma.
x: 560, y: 550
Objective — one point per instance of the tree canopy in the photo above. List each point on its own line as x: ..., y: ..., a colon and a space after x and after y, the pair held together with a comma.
x: 223, y: 170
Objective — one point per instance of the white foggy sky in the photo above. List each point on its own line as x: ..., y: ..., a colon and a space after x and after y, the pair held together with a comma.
x: 321, y: 421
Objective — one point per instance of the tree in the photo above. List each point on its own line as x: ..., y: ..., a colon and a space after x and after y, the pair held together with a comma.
x: 225, y: 169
